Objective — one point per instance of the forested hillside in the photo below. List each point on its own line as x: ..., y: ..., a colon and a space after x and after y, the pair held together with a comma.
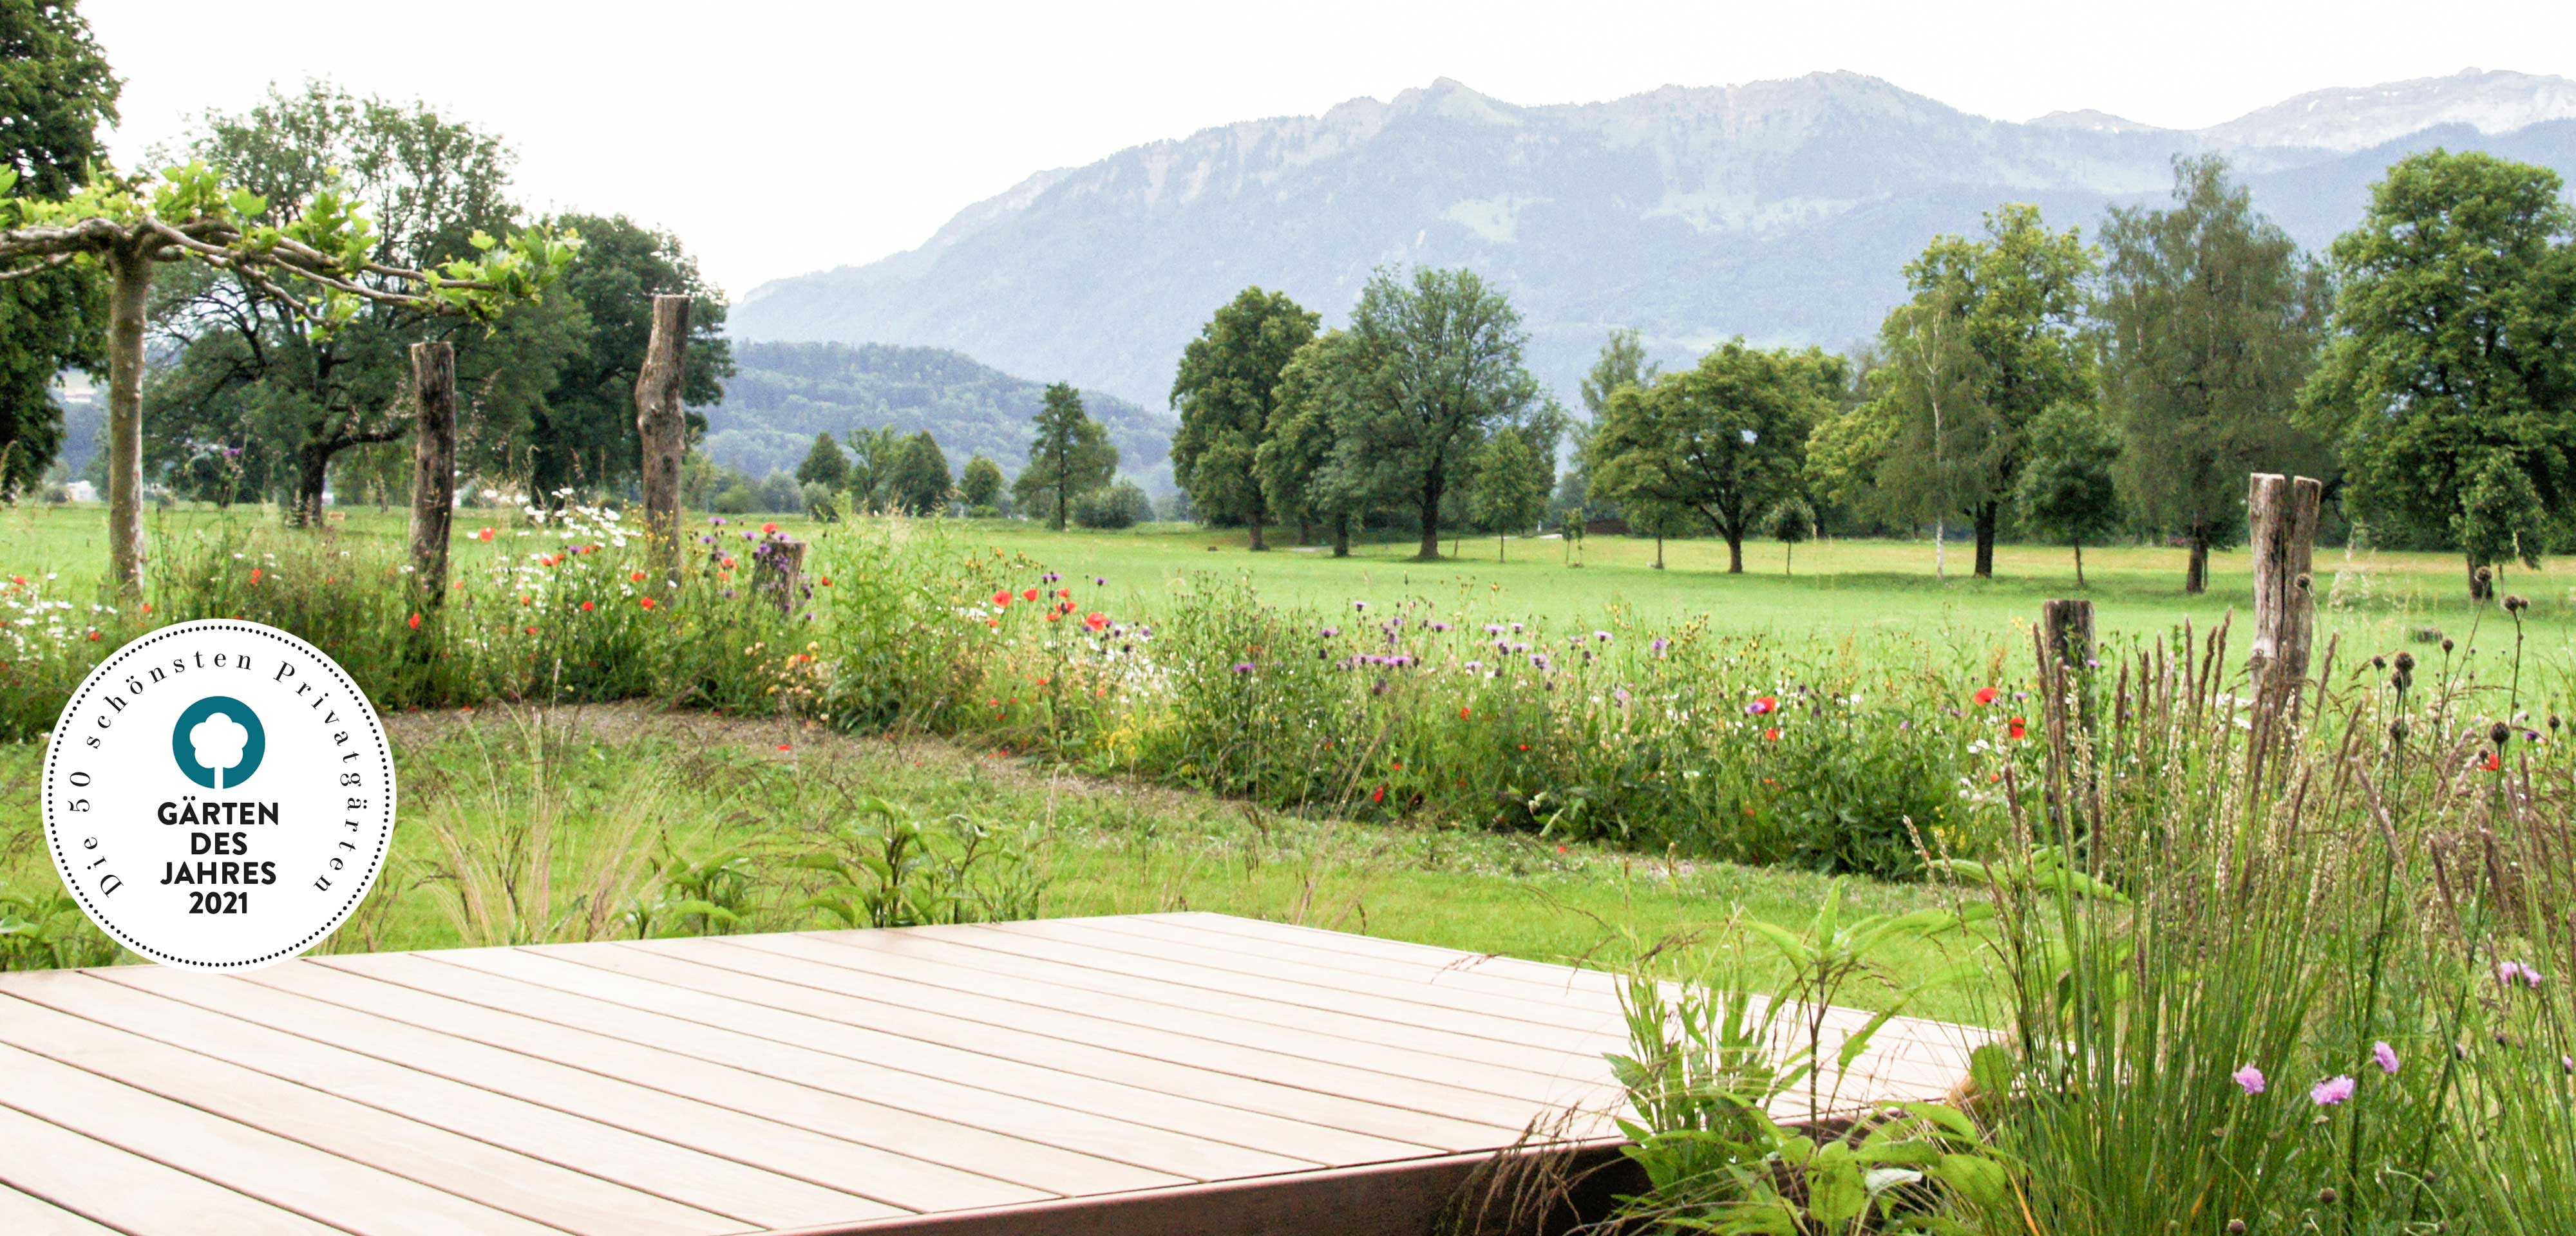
x: 785, y: 393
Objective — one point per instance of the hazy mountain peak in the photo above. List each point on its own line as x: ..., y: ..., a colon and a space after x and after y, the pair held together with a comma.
x: 2359, y: 117
x: 2090, y: 121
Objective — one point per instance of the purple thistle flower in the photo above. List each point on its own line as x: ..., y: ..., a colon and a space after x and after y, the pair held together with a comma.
x: 2385, y: 1056
x: 1493, y: 628
x: 1099, y: 581
x: 1330, y: 632
x: 1359, y: 605
x: 1475, y: 665
x: 1660, y: 645
x: 1243, y: 667
x: 1603, y: 636
x: 2331, y: 1091
x: 1620, y: 695
x: 1539, y: 659
x: 2249, y: 1079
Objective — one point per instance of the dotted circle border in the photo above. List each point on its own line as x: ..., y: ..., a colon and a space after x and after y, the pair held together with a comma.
x: 105, y: 670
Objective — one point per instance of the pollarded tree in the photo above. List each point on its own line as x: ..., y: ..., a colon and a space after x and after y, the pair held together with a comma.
x: 921, y: 482
x: 582, y: 434
x: 2450, y: 366
x: 980, y: 485
x: 1508, y: 487
x: 1226, y: 392
x: 56, y: 92
x: 187, y: 214
x: 1432, y: 364
x: 825, y: 465
x: 2210, y: 321
x: 1070, y: 456
x: 2065, y: 490
x: 1725, y: 438
x: 1985, y: 345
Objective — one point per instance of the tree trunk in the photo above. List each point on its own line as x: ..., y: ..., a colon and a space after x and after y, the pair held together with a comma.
x: 1499, y: 548
x: 130, y: 269
x: 1305, y: 530
x: 2079, y: 563
x: 658, y: 421
x: 1989, y: 517
x: 1735, y: 553
x: 1788, y: 557
x: 433, y: 470
x: 2195, y: 577
x: 1341, y: 536
x: 1257, y: 515
x: 1659, y: 551
x: 1430, y: 550
x: 312, y: 476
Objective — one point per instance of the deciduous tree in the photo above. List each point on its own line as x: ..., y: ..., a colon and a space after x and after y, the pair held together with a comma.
x: 1069, y: 457
x: 2065, y: 490
x: 1507, y: 489
x: 56, y: 92
x: 2210, y: 322
x: 922, y: 485
x: 1303, y: 477
x: 980, y: 485
x: 825, y: 465
x: 1226, y: 392
x: 2450, y: 367
x: 581, y: 435
x: 1725, y: 438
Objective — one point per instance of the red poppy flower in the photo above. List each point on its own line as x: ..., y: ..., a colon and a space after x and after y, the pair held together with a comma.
x: 1986, y: 695
x: 532, y: 630
x: 484, y: 535
x: 827, y: 581
x: 2495, y: 763
x: 93, y: 635
x: 1765, y: 706
x: 1771, y: 735
x: 2014, y: 727
x: 1524, y: 746
x: 1064, y: 592
x: 1560, y: 849
x: 1095, y: 620
x: 254, y: 575
x: 415, y: 622
x: 1029, y: 594
x: 1378, y: 795
x: 1465, y: 713
x: 782, y: 746
x: 648, y: 602
x: 147, y: 607
x: 768, y: 528
x: 637, y: 577
x: 585, y: 607
x: 1002, y: 599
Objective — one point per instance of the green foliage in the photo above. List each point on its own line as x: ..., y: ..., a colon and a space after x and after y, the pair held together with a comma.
x: 2066, y: 491
x: 1726, y: 438
x: 825, y: 465
x: 1227, y: 395
x: 980, y: 485
x: 889, y: 869
x: 1987, y: 343
x: 1117, y: 505
x: 1426, y: 368
x: 581, y: 434
x: 1508, y: 483
x: 921, y: 484
x: 2210, y: 322
x: 2448, y: 373
x: 47, y: 931
x: 1069, y: 457
x: 57, y: 91
x: 1304, y: 476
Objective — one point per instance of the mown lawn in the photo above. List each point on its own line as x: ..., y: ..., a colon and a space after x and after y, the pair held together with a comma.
x: 1838, y: 589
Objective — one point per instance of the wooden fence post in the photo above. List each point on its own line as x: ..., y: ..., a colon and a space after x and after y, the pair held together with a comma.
x: 2067, y: 627
x: 433, y: 475
x: 2281, y: 523
x: 658, y: 421
x: 778, y: 571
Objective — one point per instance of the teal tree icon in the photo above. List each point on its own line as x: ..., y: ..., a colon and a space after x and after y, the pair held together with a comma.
x: 218, y: 742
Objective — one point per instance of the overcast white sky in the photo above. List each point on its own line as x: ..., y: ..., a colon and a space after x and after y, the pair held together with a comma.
x: 779, y: 136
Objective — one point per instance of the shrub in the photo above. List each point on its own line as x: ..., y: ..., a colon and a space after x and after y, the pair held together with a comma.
x: 1120, y: 505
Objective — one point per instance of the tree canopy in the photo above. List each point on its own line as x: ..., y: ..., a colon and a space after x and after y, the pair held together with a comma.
x: 1069, y: 456
x: 1226, y: 393
x: 825, y: 465
x: 979, y: 486
x: 1725, y: 438
x: 2210, y: 320
x: 57, y: 92
x: 2065, y: 490
x: 1507, y: 489
x: 2450, y: 365
x: 921, y: 483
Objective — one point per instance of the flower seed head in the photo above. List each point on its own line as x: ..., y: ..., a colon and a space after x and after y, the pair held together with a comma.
x: 2515, y: 605
x: 2498, y: 732
x: 2446, y: 645
x: 2406, y: 663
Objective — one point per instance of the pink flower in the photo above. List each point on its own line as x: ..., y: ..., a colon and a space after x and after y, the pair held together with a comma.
x: 2331, y: 1091
x: 2249, y: 1078
x: 2510, y: 973
x: 2386, y: 1056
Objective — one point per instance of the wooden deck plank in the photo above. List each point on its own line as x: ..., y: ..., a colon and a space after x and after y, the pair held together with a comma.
x: 871, y: 1179
x: 289, y: 1175
x: 1215, y: 1043
x: 1500, y: 1091
x: 130, y: 1193
x: 1486, y: 972
x: 21, y: 1215
x: 1544, y: 1053
x: 861, y: 1036
x: 1503, y: 1012
x: 748, y: 1196
x: 1245, y: 1083
x: 1052, y: 1124
x: 926, y: 1171
x: 529, y: 1188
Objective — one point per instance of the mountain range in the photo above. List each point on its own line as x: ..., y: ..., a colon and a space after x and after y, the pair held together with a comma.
x: 1783, y: 211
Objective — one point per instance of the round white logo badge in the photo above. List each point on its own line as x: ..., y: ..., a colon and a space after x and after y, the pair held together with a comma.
x: 218, y: 795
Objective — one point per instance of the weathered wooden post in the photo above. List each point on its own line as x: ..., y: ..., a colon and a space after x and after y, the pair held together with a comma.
x: 433, y: 475
x: 2281, y: 527
x: 2066, y: 629
x: 658, y: 421
x: 778, y: 571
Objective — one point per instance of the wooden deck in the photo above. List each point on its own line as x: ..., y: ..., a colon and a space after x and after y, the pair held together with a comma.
x: 1145, y: 1074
